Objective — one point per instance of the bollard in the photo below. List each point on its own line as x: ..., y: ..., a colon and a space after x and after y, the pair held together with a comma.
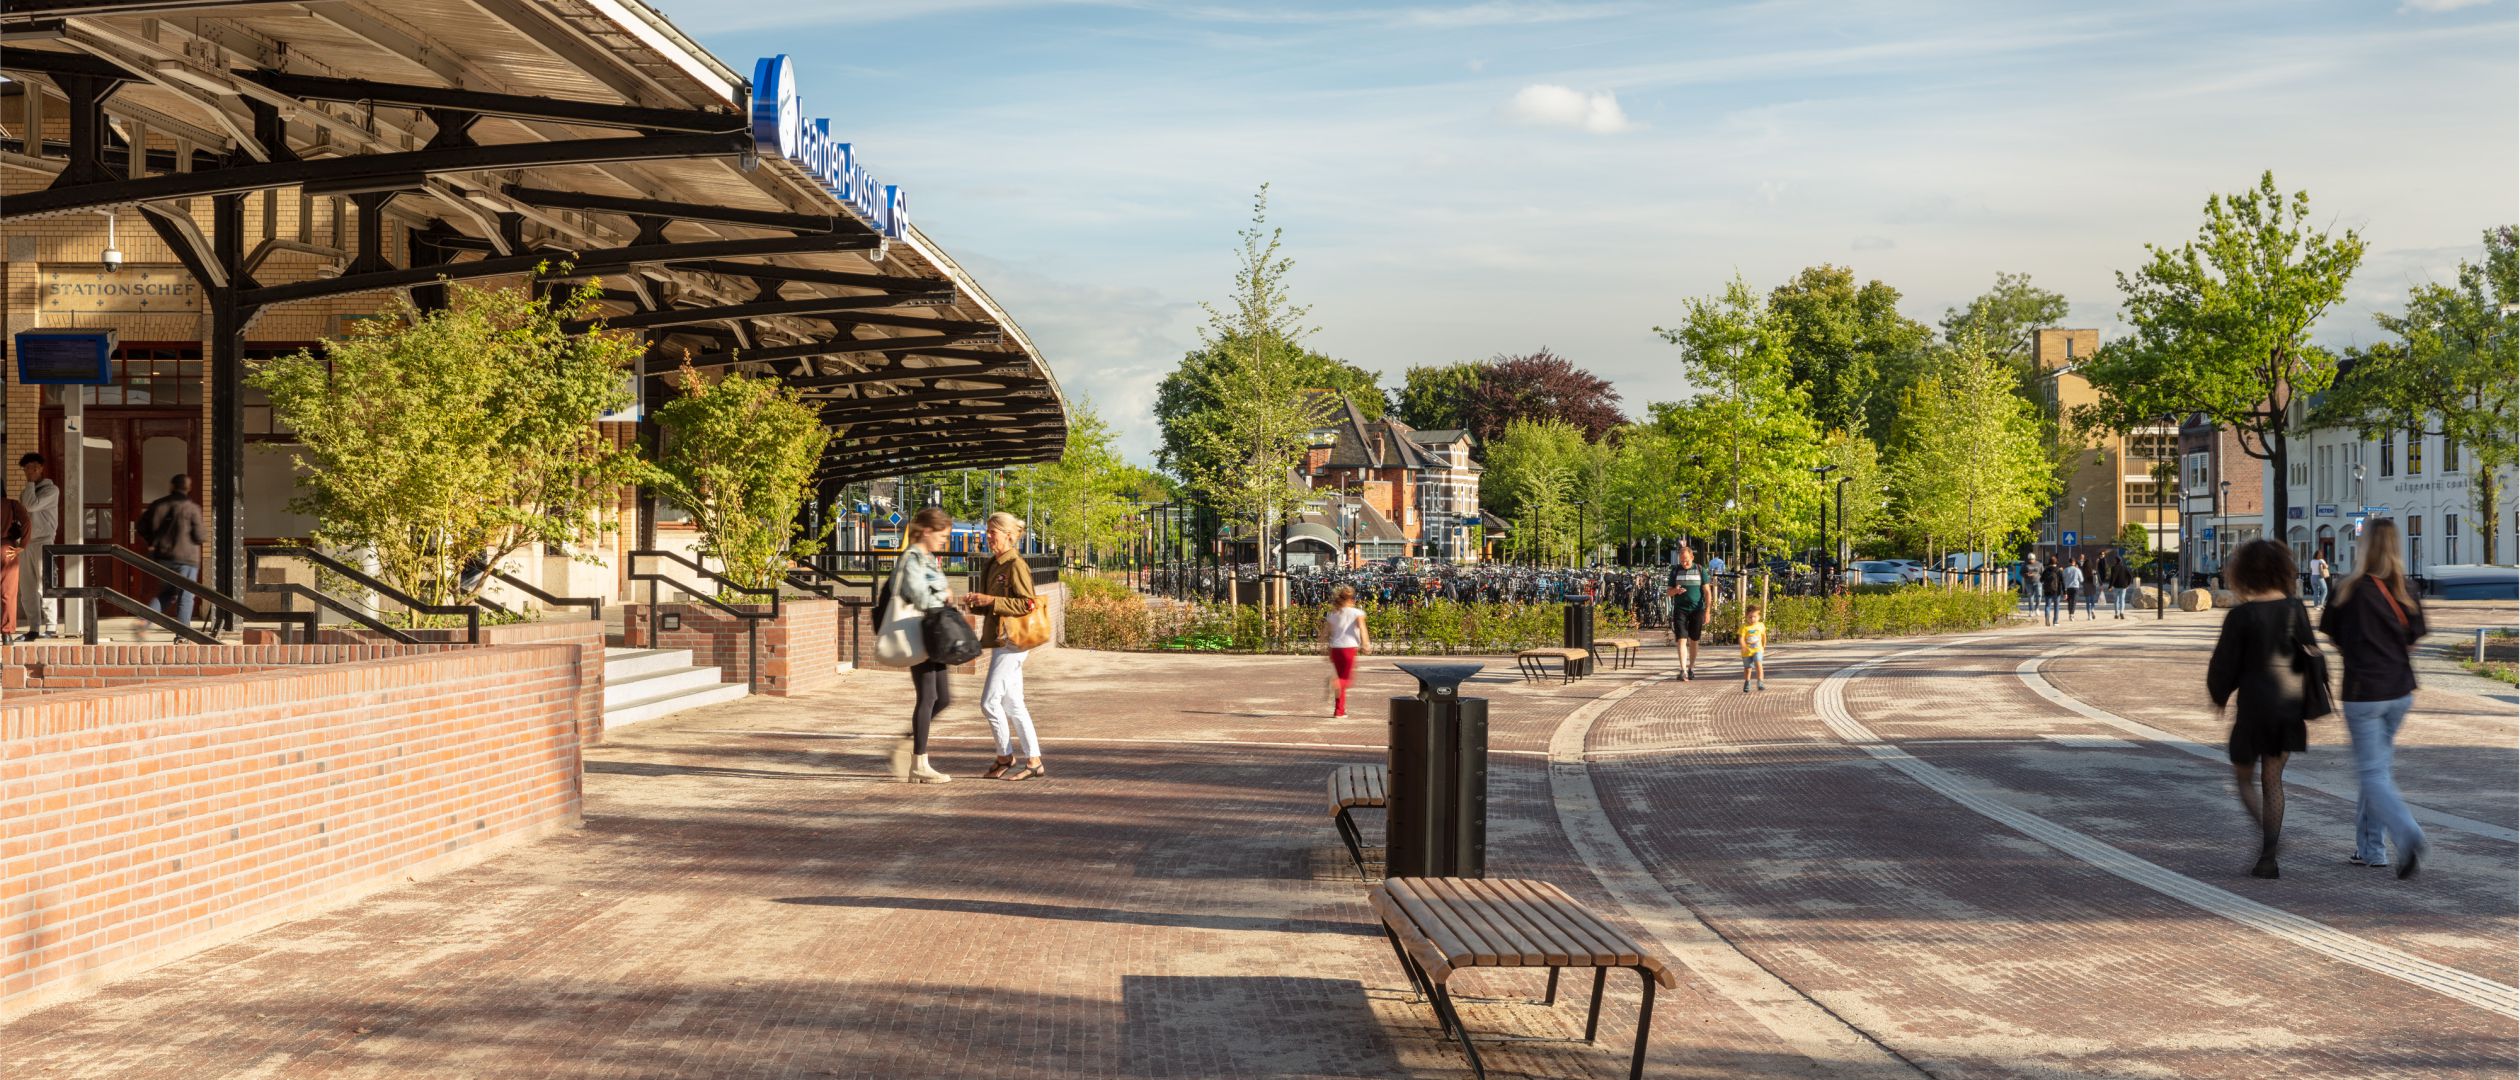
x: 2480, y: 644
x: 1579, y: 635
x: 1436, y: 818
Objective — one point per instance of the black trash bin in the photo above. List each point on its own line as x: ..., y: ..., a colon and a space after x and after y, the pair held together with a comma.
x: 1436, y: 819
x: 1579, y: 635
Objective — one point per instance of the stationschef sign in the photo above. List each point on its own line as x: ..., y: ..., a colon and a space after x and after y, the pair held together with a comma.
x: 132, y: 290
x: 779, y: 127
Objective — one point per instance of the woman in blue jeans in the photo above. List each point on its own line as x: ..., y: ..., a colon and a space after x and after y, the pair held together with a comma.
x: 2374, y: 621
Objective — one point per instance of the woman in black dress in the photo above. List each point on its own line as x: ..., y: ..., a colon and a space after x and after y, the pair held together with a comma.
x: 2259, y: 659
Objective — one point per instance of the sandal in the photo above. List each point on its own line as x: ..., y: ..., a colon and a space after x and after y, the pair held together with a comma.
x: 1026, y: 773
x: 998, y: 770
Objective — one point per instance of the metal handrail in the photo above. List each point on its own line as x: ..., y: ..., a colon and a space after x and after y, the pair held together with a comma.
x: 827, y: 584
x: 752, y: 619
x: 148, y: 567
x: 253, y: 552
x: 594, y: 605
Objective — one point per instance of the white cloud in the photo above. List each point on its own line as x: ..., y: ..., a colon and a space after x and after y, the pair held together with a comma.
x: 2435, y: 7
x: 1546, y: 105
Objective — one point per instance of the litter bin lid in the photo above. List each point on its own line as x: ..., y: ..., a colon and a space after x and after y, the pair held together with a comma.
x: 1440, y: 680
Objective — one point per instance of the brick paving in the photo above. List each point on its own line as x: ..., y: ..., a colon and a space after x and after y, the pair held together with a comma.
x: 753, y: 896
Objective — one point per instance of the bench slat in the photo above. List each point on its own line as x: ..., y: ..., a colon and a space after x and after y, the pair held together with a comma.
x: 1447, y: 924
x: 1460, y: 949
x: 1564, y: 913
x: 1535, y: 918
x: 1516, y: 942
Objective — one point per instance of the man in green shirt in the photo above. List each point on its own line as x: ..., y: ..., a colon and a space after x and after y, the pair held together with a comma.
x: 1691, y: 590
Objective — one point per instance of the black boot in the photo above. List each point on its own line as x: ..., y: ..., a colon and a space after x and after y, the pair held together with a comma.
x: 2265, y: 867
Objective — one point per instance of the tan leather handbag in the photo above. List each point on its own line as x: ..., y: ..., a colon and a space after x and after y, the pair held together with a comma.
x: 1027, y: 630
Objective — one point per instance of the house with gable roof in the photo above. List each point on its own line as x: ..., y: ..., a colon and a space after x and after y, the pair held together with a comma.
x: 1423, y: 482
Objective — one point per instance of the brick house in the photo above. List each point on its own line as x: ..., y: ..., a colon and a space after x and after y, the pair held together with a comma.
x: 1423, y: 482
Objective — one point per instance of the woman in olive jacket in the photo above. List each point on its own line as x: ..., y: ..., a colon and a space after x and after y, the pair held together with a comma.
x: 2374, y: 620
x: 2259, y: 660
x: 1006, y: 592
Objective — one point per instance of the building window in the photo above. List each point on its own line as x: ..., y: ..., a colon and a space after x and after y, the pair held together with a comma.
x: 2414, y: 453
x: 2449, y: 454
x: 2388, y: 454
x: 2450, y: 539
x: 2415, y: 544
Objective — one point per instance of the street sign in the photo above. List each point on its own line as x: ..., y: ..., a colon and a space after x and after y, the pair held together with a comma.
x: 2069, y: 540
x: 2375, y: 511
x: 2209, y: 534
x: 895, y: 519
x: 2325, y: 510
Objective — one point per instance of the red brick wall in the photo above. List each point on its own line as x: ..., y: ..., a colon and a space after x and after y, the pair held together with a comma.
x: 800, y: 650
x: 586, y: 634
x: 48, y: 668
x: 149, y: 822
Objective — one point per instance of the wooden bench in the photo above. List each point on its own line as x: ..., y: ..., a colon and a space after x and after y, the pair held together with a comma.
x: 1534, y: 663
x: 1438, y: 926
x: 1353, y: 787
x: 1622, y: 650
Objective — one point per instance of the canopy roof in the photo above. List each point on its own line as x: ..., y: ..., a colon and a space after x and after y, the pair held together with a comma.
x: 479, y: 138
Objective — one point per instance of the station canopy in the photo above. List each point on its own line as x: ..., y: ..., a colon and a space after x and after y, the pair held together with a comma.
x: 482, y: 138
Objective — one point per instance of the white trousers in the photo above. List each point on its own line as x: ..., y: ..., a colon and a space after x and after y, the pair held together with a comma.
x: 34, y: 616
x: 1002, y: 699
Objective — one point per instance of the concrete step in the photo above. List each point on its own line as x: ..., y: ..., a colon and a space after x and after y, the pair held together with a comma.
x: 624, y: 664
x: 649, y: 686
x: 713, y: 694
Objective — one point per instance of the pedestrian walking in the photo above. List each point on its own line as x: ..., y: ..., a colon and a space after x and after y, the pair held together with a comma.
x: 2261, y: 659
x: 2121, y: 582
x: 2071, y: 579
x: 2051, y: 589
x: 1006, y: 593
x: 13, y: 522
x: 43, y: 516
x: 1753, y: 647
x: 2032, y: 583
x: 1690, y: 600
x: 2319, y: 571
x: 2091, y: 586
x: 1343, y: 639
x: 171, y: 529
x: 919, y: 581
x: 2375, y: 622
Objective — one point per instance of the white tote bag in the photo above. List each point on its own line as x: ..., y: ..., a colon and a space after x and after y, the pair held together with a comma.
x: 898, y: 640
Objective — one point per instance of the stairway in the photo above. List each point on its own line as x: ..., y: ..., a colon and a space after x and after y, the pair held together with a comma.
x: 643, y: 684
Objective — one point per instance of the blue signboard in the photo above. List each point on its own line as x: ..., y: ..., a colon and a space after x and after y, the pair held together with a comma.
x: 2296, y: 513
x: 779, y: 127
x: 2209, y: 534
x: 2326, y: 510
x: 2069, y: 540
x: 65, y: 357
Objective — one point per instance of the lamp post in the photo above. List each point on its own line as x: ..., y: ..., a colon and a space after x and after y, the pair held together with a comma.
x: 1846, y: 537
x: 2222, y: 527
x: 1821, y: 474
x: 2358, y: 505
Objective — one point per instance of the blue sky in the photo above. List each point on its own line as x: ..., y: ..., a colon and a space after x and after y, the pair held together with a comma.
x: 1458, y: 180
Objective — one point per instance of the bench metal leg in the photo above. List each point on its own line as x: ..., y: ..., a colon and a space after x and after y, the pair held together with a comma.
x: 1551, y: 999
x: 1444, y: 1010
x: 1356, y: 849
x: 1417, y: 979
x: 1592, y: 1018
x: 1644, y: 1024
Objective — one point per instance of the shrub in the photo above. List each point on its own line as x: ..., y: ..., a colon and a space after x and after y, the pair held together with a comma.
x: 1085, y: 584
x: 1902, y: 611
x: 1099, y: 622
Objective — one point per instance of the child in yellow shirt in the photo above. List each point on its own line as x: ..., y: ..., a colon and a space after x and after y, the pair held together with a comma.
x: 1753, y: 647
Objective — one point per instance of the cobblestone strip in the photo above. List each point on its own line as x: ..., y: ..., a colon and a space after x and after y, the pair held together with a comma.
x: 2038, y: 684
x: 1803, y: 1024
x: 2450, y: 982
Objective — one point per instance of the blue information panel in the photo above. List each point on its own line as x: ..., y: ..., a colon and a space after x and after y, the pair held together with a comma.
x: 2070, y: 540
x: 65, y: 357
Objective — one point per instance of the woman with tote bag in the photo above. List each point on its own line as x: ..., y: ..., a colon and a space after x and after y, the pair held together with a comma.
x: 2268, y: 659
x: 918, y: 586
x: 1016, y: 623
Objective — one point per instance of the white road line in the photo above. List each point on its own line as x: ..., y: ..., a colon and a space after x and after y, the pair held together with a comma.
x: 2038, y: 684
x: 2476, y: 990
x: 1378, y: 748
x: 1803, y: 1024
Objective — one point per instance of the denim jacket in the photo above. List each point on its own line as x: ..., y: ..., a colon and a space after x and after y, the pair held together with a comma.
x: 920, y: 582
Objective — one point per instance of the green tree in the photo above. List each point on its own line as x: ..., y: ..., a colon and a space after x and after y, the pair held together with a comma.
x: 432, y: 438
x: 2222, y: 326
x: 1969, y: 463
x: 2006, y: 317
x: 1850, y: 347
x: 1537, y: 472
x: 1187, y: 410
x: 2136, y: 541
x: 1857, y: 468
x: 2453, y: 371
x: 1750, y: 429
x: 1244, y: 455
x: 1434, y: 398
x: 738, y: 456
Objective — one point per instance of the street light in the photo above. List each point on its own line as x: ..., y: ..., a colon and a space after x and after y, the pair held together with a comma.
x: 1821, y: 473
x: 2222, y: 527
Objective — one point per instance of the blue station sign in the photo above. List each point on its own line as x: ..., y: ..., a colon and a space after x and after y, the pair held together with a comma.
x: 779, y: 127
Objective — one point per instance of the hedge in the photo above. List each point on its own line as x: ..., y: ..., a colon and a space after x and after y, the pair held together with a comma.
x: 1436, y: 627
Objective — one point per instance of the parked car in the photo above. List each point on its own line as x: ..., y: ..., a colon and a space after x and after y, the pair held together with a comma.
x: 2469, y: 581
x: 1877, y: 572
x: 1911, y: 570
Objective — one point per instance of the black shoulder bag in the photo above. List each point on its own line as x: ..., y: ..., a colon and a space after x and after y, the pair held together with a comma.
x: 2316, y: 699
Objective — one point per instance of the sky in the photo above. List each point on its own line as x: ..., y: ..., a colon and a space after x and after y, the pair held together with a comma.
x: 1463, y: 180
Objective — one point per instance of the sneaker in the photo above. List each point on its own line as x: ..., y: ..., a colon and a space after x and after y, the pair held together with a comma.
x: 2408, y: 859
x: 2357, y: 860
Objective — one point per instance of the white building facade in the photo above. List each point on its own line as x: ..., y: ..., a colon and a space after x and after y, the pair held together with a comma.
x: 2338, y: 479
